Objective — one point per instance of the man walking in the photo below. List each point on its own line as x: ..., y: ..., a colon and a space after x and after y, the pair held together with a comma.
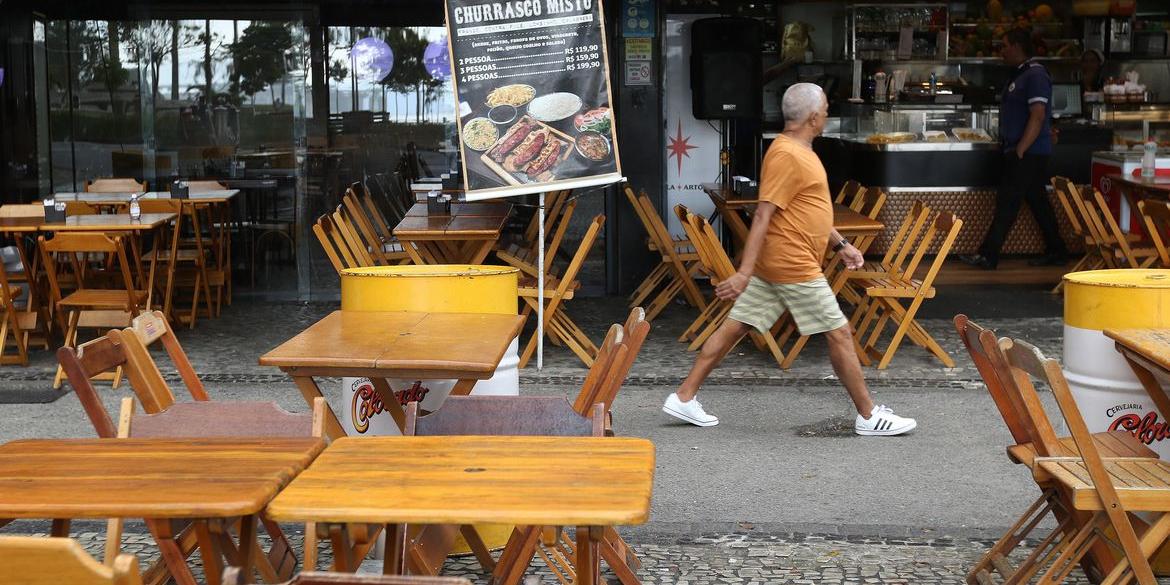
x: 1024, y: 128
x: 781, y: 269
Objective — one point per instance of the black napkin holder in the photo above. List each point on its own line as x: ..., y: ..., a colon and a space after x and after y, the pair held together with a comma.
x: 55, y: 212
x: 180, y: 190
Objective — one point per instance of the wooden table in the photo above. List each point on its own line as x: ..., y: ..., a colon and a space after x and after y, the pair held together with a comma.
x: 1152, y: 188
x: 382, y: 345
x: 847, y: 222
x: 1148, y: 353
x: 211, y: 482
x: 220, y: 196
x: 463, y: 237
x: 588, y: 482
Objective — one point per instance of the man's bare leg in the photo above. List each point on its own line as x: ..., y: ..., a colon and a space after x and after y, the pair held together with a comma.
x: 843, y: 356
x: 710, y: 355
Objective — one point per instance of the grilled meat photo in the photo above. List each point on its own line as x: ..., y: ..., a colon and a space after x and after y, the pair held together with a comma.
x: 548, y: 157
x: 516, y: 134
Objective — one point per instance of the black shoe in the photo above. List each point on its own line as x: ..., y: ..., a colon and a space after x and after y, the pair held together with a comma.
x: 977, y: 260
x: 1049, y: 260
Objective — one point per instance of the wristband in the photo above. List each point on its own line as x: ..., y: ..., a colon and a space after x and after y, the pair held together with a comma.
x: 840, y: 245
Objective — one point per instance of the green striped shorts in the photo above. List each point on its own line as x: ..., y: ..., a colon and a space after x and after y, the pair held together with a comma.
x: 812, y: 304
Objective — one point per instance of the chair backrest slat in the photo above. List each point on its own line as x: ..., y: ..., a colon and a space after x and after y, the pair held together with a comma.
x: 1063, y: 188
x: 1019, y: 384
x: 28, y: 560
x: 360, y: 254
x: 847, y: 192
x: 217, y: 419
x: 1156, y: 216
x: 1113, y: 229
x: 84, y: 362
x: 503, y: 415
x: 326, y: 233
x: 151, y: 327
x: 1007, y: 403
x: 599, y: 371
x: 364, y: 229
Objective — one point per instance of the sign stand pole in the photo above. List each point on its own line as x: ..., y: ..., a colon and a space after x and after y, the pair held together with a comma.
x: 540, y: 286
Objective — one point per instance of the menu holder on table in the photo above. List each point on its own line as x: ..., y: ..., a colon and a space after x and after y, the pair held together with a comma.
x: 54, y: 211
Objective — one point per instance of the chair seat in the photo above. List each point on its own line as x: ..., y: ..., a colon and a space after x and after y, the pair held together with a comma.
x: 1110, y: 443
x: 893, y: 287
x: 528, y: 287
x: 100, y: 298
x: 1141, y: 483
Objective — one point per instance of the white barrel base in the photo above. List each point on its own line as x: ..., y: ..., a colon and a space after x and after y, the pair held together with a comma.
x: 1108, y: 393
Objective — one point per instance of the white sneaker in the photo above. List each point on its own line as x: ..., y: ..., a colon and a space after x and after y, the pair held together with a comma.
x: 691, y: 411
x: 883, y: 423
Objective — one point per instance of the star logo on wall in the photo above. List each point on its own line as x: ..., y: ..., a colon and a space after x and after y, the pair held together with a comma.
x: 679, y: 147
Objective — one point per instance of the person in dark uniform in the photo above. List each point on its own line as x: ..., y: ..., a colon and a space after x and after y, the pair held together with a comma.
x: 1025, y: 134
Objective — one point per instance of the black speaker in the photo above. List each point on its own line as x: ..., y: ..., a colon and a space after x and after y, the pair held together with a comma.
x: 726, y: 68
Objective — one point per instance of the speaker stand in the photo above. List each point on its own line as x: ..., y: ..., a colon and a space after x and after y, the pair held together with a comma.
x: 725, y: 153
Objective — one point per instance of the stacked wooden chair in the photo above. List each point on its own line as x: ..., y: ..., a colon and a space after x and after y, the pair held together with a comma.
x: 1156, y: 216
x: 1073, y: 205
x: 1104, y: 491
x: 886, y: 289
x: 558, y: 325
x: 1130, y: 250
x: 356, y: 234
x: 189, y: 272
x: 716, y: 262
x: 1021, y: 409
x: 90, y: 306
x: 1106, y: 245
x: 30, y: 560
x: 678, y: 263
x: 526, y: 259
x: 848, y: 192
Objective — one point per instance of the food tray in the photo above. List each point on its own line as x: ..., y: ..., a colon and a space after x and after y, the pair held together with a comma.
x: 970, y: 135
x: 517, y: 174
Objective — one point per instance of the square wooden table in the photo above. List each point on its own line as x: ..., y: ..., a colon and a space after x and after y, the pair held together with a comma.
x: 380, y: 345
x: 1148, y: 353
x: 207, y: 481
x: 465, y: 236
x: 1137, y: 188
x: 588, y: 482
x: 217, y: 196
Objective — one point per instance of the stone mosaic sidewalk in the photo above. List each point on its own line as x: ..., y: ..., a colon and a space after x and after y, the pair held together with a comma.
x: 745, y: 558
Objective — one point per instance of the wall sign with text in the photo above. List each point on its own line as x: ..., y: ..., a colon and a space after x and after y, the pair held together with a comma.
x: 535, y: 80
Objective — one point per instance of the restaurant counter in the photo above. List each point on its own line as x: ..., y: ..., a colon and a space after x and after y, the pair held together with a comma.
x: 957, y: 176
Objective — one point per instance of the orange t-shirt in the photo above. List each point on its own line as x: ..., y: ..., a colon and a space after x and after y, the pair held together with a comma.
x: 794, y: 180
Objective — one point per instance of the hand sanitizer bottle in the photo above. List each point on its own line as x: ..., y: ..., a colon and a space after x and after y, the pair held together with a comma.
x: 135, y: 208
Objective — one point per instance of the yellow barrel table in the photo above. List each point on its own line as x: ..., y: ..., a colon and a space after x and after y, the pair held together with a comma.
x: 434, y: 288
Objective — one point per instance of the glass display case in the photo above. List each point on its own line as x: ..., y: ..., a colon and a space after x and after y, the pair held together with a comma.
x: 1132, y: 124
x: 897, y: 31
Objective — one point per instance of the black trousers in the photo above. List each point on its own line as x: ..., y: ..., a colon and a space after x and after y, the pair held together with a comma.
x: 1024, y: 179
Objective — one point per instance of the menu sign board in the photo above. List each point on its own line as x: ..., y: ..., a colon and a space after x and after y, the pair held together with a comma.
x: 532, y: 80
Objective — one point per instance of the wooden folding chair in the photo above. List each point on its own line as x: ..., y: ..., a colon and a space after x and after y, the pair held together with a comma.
x: 490, y: 416
x: 1025, y: 423
x: 526, y: 259
x: 554, y: 204
x: 232, y: 576
x: 361, y: 252
x: 677, y: 265
x: 558, y: 326
x: 848, y: 191
x: 1132, y: 253
x: 222, y: 419
x: 1108, y: 489
x: 885, y: 292
x: 892, y: 263
x: 1092, y: 259
x: 1156, y: 216
x: 28, y: 560
x: 718, y: 264
x: 333, y: 243
x: 187, y: 266
x: 88, y: 307
x: 17, y: 323
x: 384, y: 250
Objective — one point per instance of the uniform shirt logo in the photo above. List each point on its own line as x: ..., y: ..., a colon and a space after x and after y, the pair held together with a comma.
x: 1012, y: 87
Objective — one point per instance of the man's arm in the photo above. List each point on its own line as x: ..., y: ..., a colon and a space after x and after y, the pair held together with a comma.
x: 734, y: 286
x: 1036, y: 113
x: 851, y: 255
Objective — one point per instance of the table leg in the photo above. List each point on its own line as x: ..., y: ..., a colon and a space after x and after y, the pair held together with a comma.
x: 390, y: 401
x: 588, y: 561
x: 309, y: 391
x: 176, y: 562
x: 60, y: 527
x: 412, y: 250
x: 395, y: 554
x: 209, y: 552
x: 480, y: 254
x: 463, y: 387
x: 248, y: 545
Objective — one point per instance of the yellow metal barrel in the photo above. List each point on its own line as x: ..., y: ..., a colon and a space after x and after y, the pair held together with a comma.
x: 431, y: 289
x: 455, y: 288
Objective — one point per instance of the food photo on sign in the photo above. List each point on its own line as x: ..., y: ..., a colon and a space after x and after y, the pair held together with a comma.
x: 535, y: 83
